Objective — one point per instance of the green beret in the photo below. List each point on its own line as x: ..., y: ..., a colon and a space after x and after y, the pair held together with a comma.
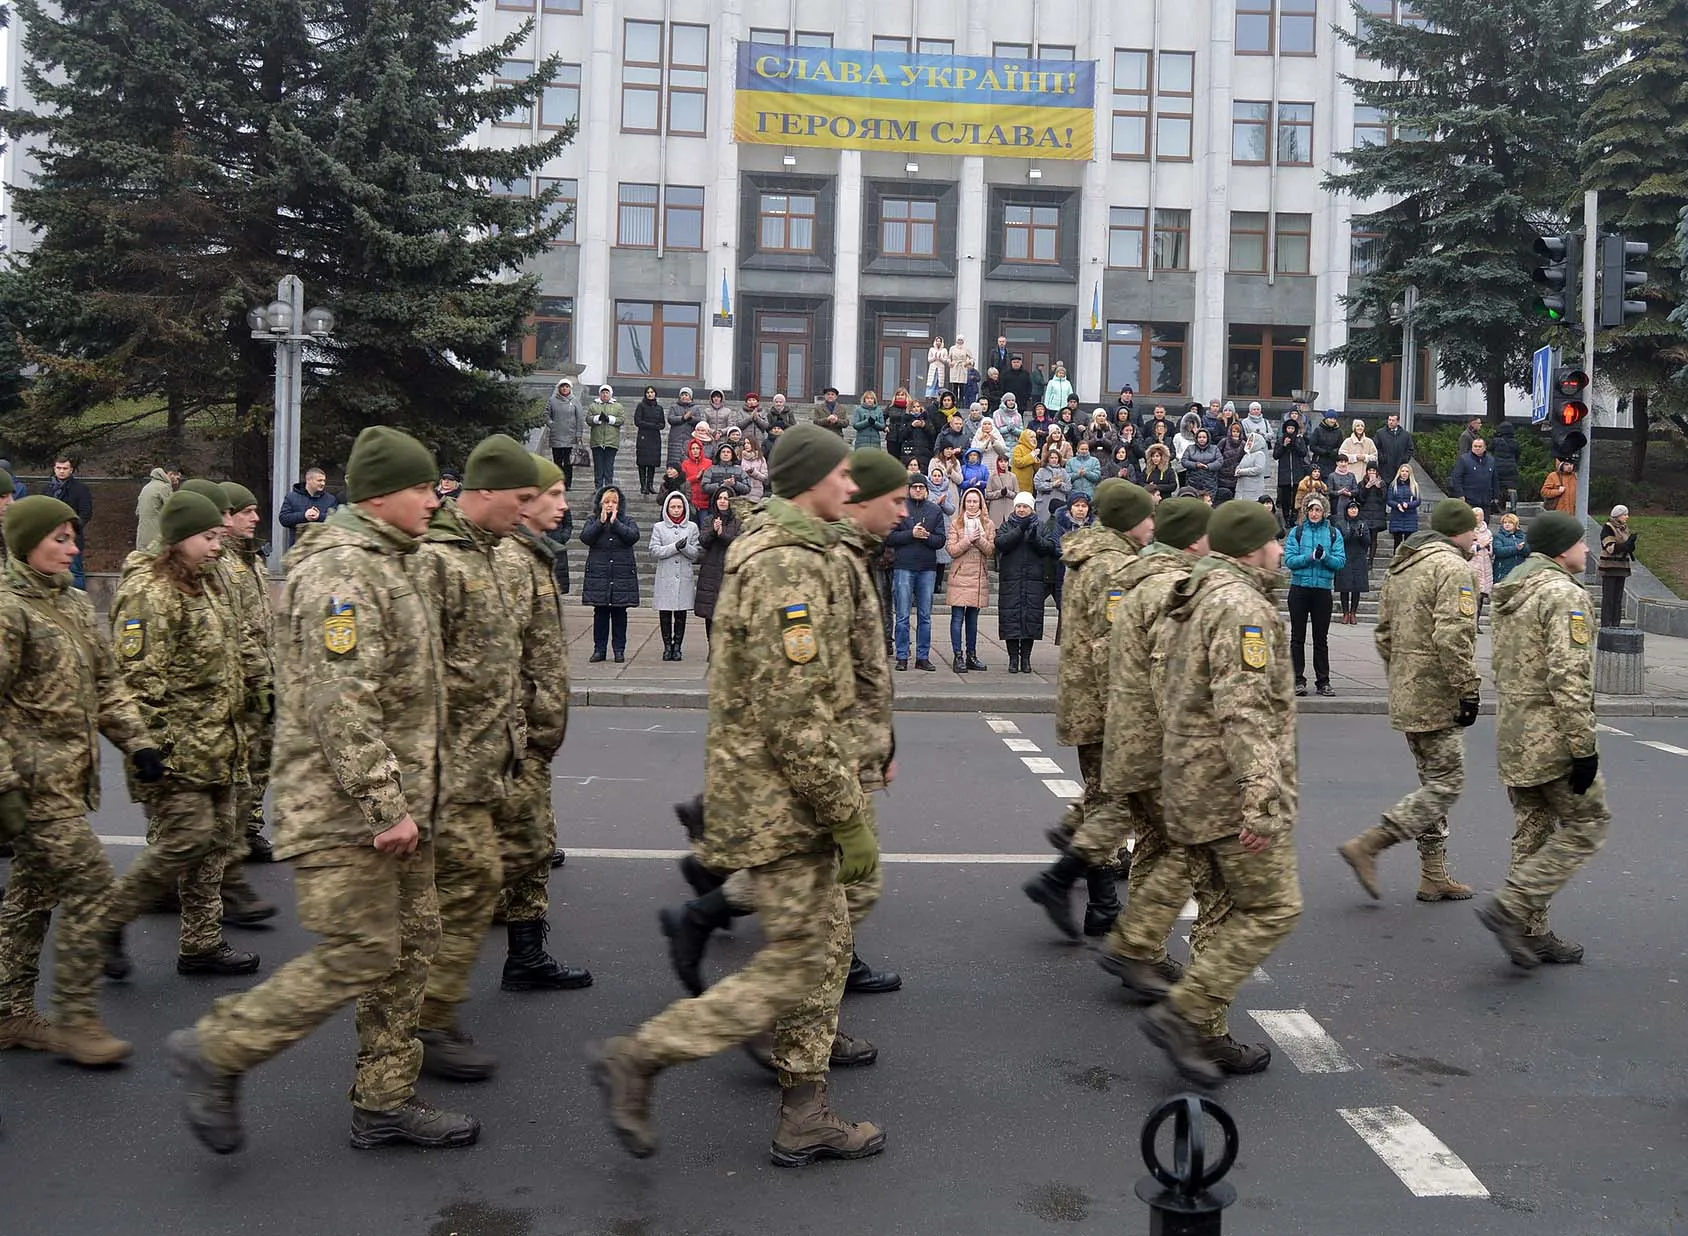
x: 209, y: 490
x: 29, y: 520
x: 1452, y: 516
x: 1120, y: 505
x: 385, y: 460
x: 875, y: 474
x: 1239, y: 528
x: 240, y: 497
x: 1550, y: 533
x: 803, y: 458
x: 188, y: 513
x: 1180, y: 522
x: 549, y: 472
x: 500, y: 462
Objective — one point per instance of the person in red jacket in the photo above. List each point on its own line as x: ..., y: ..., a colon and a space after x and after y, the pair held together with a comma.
x: 692, y: 467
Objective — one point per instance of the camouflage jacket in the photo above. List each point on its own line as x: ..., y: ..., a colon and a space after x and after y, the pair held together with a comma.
x: 1427, y: 633
x: 481, y: 627
x: 1226, y: 698
x: 529, y: 564
x: 1096, y: 557
x: 181, y: 658
x: 780, y: 771
x: 1544, y: 671
x: 1131, y: 749
x: 360, y: 704
x: 870, y: 721
x: 59, y: 691
x: 250, y: 591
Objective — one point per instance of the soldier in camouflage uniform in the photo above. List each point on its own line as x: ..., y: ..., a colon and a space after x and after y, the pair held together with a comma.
x: 174, y: 631
x: 359, y: 743
x: 1544, y: 672
x: 1092, y: 835
x: 246, y: 568
x: 783, y: 797
x: 1427, y: 637
x: 1163, y: 876
x: 1224, y: 692
x: 59, y: 689
x: 483, y: 612
x: 525, y: 820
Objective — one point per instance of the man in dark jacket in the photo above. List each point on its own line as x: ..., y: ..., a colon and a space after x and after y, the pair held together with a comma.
x: 308, y: 502
x: 70, y: 489
x: 999, y: 356
x: 914, y: 545
x: 1475, y: 477
x: 1324, y: 441
x: 1293, y: 464
x: 1395, y: 446
x: 1017, y: 381
x: 828, y: 415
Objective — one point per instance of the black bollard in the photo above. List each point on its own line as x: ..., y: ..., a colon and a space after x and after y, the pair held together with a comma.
x: 1188, y: 1199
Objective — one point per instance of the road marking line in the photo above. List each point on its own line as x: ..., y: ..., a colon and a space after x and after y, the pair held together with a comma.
x: 1065, y: 789
x: 1602, y: 728
x: 1042, y: 765
x: 1304, y: 1041
x: 1015, y: 860
x: 1663, y: 746
x: 1021, y: 744
x: 1189, y: 910
x: 1001, y: 725
x: 1424, y: 1164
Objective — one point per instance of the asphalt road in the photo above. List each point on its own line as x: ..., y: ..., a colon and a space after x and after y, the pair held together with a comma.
x: 1012, y: 1080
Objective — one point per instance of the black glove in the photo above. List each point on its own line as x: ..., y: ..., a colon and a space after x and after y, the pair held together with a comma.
x: 691, y: 817
x: 149, y: 764
x: 1584, y: 769
x: 1468, y: 711
x: 14, y: 814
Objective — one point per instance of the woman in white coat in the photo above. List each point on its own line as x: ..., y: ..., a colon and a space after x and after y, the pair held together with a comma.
x: 1251, y: 472
x: 674, y: 545
x: 937, y: 368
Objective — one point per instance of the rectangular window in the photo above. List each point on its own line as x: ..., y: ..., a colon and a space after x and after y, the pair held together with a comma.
x: 656, y: 340
x: 1293, y: 21
x: 1297, y: 27
x: 1172, y: 240
x: 908, y: 227
x: 1295, y: 243
x: 1128, y: 237
x: 775, y: 37
x: 889, y: 43
x: 1266, y: 362
x: 562, y: 6
x: 1371, y: 126
x: 682, y: 217
x: 646, y: 69
x: 782, y: 38
x: 1146, y: 356
x: 1248, y: 242
x: 635, y: 226
x: 1254, y: 27
x: 515, y: 73
x: 1031, y: 234
x: 1056, y: 51
x: 786, y: 222
x: 1175, y: 105
x: 523, y: 6
x: 935, y: 47
x: 1131, y: 103
x: 688, y: 79
x: 1011, y: 51
x: 812, y: 38
x: 509, y: 188
x: 559, y: 105
x: 1295, y: 135
x: 1249, y: 122
x: 1365, y: 251
x: 548, y: 343
x: 641, y: 77
x: 568, y: 195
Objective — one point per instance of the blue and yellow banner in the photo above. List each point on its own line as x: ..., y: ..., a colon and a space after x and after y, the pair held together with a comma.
x: 907, y: 102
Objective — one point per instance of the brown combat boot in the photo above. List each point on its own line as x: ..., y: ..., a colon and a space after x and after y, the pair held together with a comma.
x: 809, y: 1130
x: 1434, y: 882
x: 624, y: 1073
x: 91, y: 1045
x: 30, y: 1031
x: 1361, y: 854
x: 1148, y: 980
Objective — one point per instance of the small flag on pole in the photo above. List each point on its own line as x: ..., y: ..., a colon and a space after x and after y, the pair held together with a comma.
x: 726, y: 297
x: 1096, y: 305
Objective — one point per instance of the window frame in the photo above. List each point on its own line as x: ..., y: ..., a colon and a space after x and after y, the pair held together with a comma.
x: 623, y: 204
x: 633, y: 89
x: 1144, y: 114
x: 891, y: 44
x: 566, y: 199
x: 525, y: 112
x: 1033, y: 228
x: 1263, y: 122
x: 561, y: 82
x: 572, y: 8
x: 786, y: 216
x: 1118, y: 226
x: 1247, y: 234
x: 1011, y: 51
x: 1296, y: 232
x: 687, y: 87
x: 1284, y: 14
x: 1358, y: 266
x: 670, y: 208
x: 657, y: 327
x: 1150, y: 337
x: 525, y: 347
x: 909, y: 224
x: 516, y: 6
x: 1280, y: 127
x: 1266, y: 353
x: 1180, y: 228
x: 1389, y: 375
x: 1376, y: 120
x: 1253, y: 11
x: 1164, y: 115
x: 934, y: 47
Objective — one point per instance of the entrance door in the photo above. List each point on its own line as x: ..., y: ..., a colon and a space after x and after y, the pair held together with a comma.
x: 903, y: 344
x: 784, y: 349
x: 1036, y: 342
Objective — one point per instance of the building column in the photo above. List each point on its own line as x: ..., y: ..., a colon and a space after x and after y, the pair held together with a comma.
x: 594, y: 331
x: 721, y: 219
x: 1210, y: 221
x: 971, y: 209
x: 847, y: 275
x: 1088, y: 371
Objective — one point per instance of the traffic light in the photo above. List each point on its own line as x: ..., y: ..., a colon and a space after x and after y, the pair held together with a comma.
x: 1569, y: 410
x: 1562, y: 275
x: 1616, y: 279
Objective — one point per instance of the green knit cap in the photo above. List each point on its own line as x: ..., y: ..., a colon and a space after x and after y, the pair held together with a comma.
x: 1550, y: 533
x: 1452, y: 516
x: 803, y: 458
x: 188, y: 513
x: 1120, y: 505
x: 240, y: 497
x: 29, y: 520
x: 1180, y: 522
x: 875, y: 474
x: 385, y: 460
x: 500, y: 462
x: 210, y: 490
x: 1239, y: 528
x: 8, y: 483
x: 549, y: 472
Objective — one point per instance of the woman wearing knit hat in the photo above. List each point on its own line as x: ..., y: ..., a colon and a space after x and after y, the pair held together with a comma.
x: 57, y: 692
x: 1024, y: 554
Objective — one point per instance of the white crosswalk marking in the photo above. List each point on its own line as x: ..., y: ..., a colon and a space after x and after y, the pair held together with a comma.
x: 1663, y: 746
x: 1065, y: 789
x: 1603, y: 728
x: 1001, y: 725
x: 1304, y: 1041
x: 1042, y: 765
x: 1021, y: 744
x: 1415, y: 1154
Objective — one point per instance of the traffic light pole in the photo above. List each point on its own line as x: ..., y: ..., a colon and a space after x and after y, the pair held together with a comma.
x: 1590, y: 250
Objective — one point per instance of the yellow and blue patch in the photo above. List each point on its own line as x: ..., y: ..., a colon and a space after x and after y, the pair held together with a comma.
x: 1256, y: 654
x: 132, y: 639
x: 1579, y: 627
x: 797, y: 636
x: 1115, y: 596
x: 340, y: 628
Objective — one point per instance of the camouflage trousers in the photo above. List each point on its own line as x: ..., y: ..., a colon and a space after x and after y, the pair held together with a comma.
x: 380, y: 925
x: 468, y: 872
x: 793, y: 984
x: 58, y: 864
x: 189, y: 832
x: 861, y: 896
x: 526, y: 824
x: 260, y: 742
x: 1100, y: 823
x: 1422, y: 816
x: 1555, y: 833
x: 1263, y: 905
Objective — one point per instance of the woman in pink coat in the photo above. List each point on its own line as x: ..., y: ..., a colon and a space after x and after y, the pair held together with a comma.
x: 971, y: 543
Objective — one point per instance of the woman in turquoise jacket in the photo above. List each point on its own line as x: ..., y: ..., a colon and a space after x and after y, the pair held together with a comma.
x: 1313, y: 553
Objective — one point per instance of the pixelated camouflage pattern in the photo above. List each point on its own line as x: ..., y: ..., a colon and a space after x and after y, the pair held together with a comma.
x: 1427, y: 633
x: 1543, y: 672
x: 529, y: 566
x: 1131, y: 747
x: 1097, y: 558
x: 1556, y: 832
x: 59, y: 865
x: 189, y: 830
x: 869, y: 722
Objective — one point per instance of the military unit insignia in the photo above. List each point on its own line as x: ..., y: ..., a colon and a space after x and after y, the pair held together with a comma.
x: 1114, y: 597
x: 1579, y: 627
x: 132, y: 639
x: 796, y: 635
x: 340, y: 628
x: 1467, y: 602
x: 1256, y: 655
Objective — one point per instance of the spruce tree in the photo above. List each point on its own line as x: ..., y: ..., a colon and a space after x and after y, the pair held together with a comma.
x: 1483, y: 100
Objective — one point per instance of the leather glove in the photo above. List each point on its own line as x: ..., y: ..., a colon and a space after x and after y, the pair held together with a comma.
x: 1318, y: 553
x: 1584, y: 769
x: 858, y: 850
x: 14, y: 814
x: 691, y: 817
x: 149, y: 764
x: 1468, y: 711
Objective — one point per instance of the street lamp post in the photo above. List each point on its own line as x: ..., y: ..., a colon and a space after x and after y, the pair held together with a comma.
x: 288, y: 326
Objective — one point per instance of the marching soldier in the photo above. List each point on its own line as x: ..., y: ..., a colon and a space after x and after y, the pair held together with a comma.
x: 1544, y: 672
x: 252, y: 590
x: 1427, y: 637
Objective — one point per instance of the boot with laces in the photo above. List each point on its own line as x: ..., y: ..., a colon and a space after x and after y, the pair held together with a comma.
x: 1361, y: 854
x: 1554, y: 951
x: 454, y: 1056
x: 29, y: 1031
x: 91, y: 1045
x: 1234, y: 1058
x: 625, y: 1075
x: 1145, y: 979
x: 1434, y: 882
x: 210, y: 1098
x: 413, y: 1123
x: 809, y: 1130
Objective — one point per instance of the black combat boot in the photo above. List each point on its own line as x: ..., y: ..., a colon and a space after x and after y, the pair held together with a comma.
x: 242, y: 907
x: 528, y: 967
x: 222, y: 961
x: 210, y: 1098
x: 413, y: 1123
x: 866, y: 980
x: 117, y: 963
x: 702, y: 879
x: 1104, y: 906
x: 258, y: 849
x: 454, y: 1056
x: 1051, y: 889
x: 688, y: 930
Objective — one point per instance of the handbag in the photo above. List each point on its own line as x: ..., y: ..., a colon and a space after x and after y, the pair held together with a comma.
x: 582, y: 457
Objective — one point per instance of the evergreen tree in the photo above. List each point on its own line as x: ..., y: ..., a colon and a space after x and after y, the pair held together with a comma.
x: 1483, y: 99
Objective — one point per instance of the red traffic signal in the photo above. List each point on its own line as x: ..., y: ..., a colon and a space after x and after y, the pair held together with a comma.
x: 1570, y: 385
